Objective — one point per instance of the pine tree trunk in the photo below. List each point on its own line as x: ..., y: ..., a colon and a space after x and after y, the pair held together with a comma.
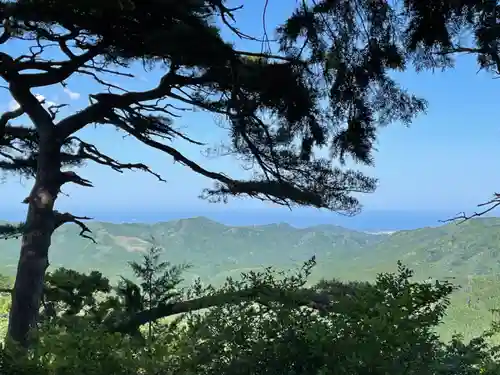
x: 33, y: 260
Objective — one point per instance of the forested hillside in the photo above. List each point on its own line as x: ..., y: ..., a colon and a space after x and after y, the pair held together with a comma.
x: 466, y: 254
x: 215, y: 250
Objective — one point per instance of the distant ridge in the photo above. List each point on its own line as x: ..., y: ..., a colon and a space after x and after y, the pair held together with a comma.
x: 209, y: 221
x: 211, y: 247
x: 214, y: 249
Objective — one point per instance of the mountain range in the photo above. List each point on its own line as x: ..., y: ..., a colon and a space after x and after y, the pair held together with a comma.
x: 461, y: 251
x: 468, y: 253
x: 213, y: 249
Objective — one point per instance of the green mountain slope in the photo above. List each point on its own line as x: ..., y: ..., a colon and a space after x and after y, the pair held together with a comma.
x: 459, y: 251
x: 214, y: 250
x: 469, y: 253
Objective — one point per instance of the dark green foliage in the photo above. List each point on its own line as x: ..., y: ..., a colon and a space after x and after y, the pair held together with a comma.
x: 19, y: 148
x: 386, y: 327
x: 274, y: 106
x: 158, y: 281
x: 356, y: 44
x: 439, y: 30
x: 340, y: 53
x: 123, y: 26
x: 68, y: 293
x: 351, y: 46
x: 465, y: 254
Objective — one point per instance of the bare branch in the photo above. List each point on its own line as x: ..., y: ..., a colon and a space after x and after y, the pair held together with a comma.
x: 10, y: 115
x: 462, y: 217
x: 90, y: 152
x: 63, y: 72
x: 71, y: 176
x: 22, y: 94
x: 63, y: 218
x: 64, y: 178
x: 109, y: 85
x: 54, y: 110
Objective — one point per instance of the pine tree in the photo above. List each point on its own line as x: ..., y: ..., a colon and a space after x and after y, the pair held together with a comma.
x: 159, y: 281
x: 326, y: 87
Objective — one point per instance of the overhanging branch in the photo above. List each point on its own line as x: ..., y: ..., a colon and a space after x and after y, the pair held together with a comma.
x: 257, y: 295
x: 491, y: 52
x: 277, y: 189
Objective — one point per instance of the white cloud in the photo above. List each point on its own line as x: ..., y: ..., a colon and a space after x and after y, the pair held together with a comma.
x: 72, y: 95
x: 13, y: 105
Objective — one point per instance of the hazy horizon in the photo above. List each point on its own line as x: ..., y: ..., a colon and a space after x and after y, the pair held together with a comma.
x: 371, y: 220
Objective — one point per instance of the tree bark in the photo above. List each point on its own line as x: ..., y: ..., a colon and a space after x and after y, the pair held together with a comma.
x: 36, y: 240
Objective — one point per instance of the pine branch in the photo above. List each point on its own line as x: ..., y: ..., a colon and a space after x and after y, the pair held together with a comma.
x: 63, y: 218
x: 312, y: 300
x: 487, y: 207
x: 87, y: 151
x: 8, y: 116
x: 11, y: 231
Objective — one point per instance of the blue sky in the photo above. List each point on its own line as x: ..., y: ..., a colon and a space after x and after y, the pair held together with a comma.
x: 446, y: 160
